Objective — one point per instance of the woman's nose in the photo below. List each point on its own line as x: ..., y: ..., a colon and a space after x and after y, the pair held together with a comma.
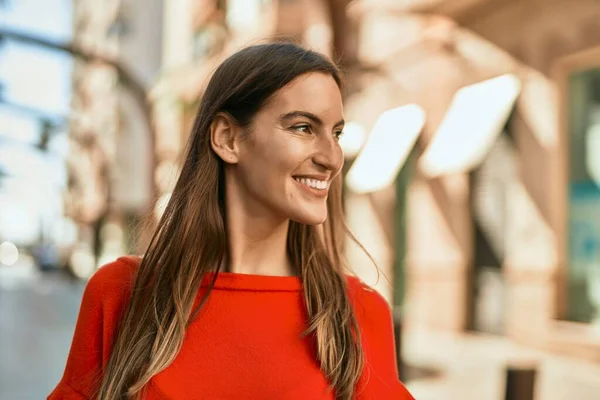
x: 328, y: 154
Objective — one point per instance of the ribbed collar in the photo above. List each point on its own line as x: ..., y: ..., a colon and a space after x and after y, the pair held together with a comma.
x: 263, y: 283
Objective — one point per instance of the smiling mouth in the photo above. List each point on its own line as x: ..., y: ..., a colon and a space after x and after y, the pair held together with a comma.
x: 315, y: 184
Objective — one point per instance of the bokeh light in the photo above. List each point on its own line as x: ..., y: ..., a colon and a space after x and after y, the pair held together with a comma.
x: 9, y: 254
x: 353, y: 139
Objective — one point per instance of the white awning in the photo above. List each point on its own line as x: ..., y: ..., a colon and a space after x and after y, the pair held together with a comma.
x: 473, y: 122
x: 386, y: 150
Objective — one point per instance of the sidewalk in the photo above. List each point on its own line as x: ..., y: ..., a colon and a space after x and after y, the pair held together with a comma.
x: 471, y: 367
x: 37, y: 318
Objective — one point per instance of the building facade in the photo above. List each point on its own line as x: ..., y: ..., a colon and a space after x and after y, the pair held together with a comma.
x: 109, y: 190
x: 507, y: 245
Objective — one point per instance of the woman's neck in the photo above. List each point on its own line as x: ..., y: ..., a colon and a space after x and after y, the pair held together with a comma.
x: 257, y: 245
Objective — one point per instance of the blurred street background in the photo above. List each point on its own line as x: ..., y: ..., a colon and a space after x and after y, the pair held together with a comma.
x: 472, y: 170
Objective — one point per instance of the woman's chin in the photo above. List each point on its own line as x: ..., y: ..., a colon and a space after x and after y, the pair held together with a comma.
x: 310, y: 218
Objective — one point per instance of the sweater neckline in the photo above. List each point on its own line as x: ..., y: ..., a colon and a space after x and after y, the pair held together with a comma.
x: 238, y: 281
x: 252, y: 282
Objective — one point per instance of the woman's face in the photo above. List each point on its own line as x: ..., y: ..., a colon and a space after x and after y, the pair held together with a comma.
x: 291, y: 154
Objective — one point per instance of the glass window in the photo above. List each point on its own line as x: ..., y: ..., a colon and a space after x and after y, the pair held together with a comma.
x: 583, y: 302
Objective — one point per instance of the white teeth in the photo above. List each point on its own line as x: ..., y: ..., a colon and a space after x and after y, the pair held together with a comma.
x: 313, y: 183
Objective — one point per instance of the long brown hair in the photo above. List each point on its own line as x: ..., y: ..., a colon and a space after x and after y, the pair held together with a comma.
x: 191, y: 240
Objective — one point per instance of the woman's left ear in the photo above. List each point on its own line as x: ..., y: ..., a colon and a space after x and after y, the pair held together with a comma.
x: 224, y: 138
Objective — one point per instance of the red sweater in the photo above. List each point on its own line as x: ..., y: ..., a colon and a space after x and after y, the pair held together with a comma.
x: 245, y: 344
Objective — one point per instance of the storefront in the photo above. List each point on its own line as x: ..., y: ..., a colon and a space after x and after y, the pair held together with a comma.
x: 503, y: 241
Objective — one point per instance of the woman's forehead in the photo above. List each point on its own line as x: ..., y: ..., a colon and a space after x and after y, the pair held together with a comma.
x: 316, y: 93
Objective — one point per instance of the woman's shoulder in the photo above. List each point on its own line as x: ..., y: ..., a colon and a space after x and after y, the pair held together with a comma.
x: 115, y: 273
x: 374, y: 316
x: 365, y: 296
x: 103, y: 300
x: 370, y: 306
x: 113, y: 281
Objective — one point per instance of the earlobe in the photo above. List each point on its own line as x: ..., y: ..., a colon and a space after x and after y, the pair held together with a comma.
x: 223, y: 138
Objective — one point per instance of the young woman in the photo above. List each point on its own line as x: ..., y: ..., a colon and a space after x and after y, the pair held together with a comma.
x: 242, y: 293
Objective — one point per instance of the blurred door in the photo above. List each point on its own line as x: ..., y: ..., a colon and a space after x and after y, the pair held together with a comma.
x: 489, y: 191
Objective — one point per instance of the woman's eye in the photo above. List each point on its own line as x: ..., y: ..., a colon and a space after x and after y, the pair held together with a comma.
x: 302, y: 128
x: 338, y: 134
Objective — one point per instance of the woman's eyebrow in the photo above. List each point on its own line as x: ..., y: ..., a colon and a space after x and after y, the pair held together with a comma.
x: 293, y: 114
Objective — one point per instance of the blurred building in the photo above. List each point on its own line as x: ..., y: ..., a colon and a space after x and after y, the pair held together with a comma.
x: 490, y: 223
x: 35, y: 92
x: 110, y: 136
x: 501, y: 226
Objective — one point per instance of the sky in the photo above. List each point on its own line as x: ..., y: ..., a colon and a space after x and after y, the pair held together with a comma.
x: 36, y: 82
